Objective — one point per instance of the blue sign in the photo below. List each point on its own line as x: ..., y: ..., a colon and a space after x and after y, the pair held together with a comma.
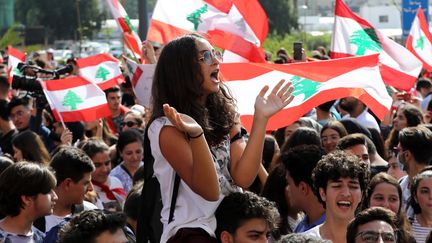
x: 409, y: 10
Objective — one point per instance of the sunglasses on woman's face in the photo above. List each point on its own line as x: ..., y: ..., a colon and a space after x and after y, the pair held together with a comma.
x: 128, y: 123
x: 208, y: 56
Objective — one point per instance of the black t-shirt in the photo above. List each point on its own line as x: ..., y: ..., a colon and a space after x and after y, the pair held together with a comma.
x: 6, y: 141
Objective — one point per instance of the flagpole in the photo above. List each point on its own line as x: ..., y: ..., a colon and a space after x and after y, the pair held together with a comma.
x: 130, y: 47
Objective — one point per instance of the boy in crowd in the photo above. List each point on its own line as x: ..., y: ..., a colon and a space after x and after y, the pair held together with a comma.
x: 26, y: 193
x: 109, y: 190
x: 299, y: 163
x: 245, y: 217
x: 339, y: 180
x: 94, y: 226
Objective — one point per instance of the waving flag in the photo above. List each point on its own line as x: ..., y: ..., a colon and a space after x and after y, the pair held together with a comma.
x: 141, y: 76
x: 15, y: 57
x: 314, y: 83
x: 239, y: 26
x: 354, y: 36
x: 419, y: 41
x: 131, y: 38
x: 102, y: 69
x: 75, y: 99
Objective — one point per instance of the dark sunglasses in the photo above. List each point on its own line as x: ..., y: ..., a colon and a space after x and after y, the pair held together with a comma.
x: 373, y: 236
x: 208, y: 56
x: 128, y: 123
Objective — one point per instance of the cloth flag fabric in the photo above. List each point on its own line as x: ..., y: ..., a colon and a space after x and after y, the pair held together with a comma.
x: 75, y: 99
x: 354, y: 36
x: 131, y: 38
x: 314, y: 83
x: 419, y: 41
x: 141, y: 76
x: 239, y: 26
x: 15, y: 57
x: 102, y: 69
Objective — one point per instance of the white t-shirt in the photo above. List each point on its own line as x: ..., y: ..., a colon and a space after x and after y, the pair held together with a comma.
x: 103, y: 202
x: 315, y: 232
x: 365, y: 119
x: 191, y: 211
x: 53, y: 220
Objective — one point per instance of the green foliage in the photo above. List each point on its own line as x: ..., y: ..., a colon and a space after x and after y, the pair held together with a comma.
x: 60, y: 17
x: 274, y: 42
x: 11, y: 37
x: 282, y: 15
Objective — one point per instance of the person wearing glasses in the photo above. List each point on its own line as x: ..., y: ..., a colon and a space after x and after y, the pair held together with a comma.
x: 373, y: 225
x: 193, y: 120
x: 132, y: 119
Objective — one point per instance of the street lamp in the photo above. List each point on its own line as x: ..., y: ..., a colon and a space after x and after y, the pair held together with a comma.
x: 305, y: 8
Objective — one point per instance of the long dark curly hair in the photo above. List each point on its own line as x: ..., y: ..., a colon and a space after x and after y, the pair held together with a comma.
x: 178, y: 82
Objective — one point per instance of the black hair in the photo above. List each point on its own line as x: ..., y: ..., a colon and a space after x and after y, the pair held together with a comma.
x: 302, y: 136
x: 418, y: 140
x: 23, y: 179
x: 128, y: 136
x: 24, y: 101
x: 93, y: 146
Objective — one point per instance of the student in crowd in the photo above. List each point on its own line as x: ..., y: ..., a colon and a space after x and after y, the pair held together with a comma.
x: 301, y: 238
x: 245, y: 217
x: 26, y: 193
x: 373, y: 225
x: 130, y: 148
x: 193, y: 119
x: 355, y: 144
x: 73, y: 169
x: 7, y: 129
x: 131, y: 206
x: 339, y: 181
x: 94, y: 226
x: 131, y: 119
x: 110, y: 192
x: 99, y: 128
x: 415, y: 154
x: 118, y: 111
x: 27, y: 145
x: 384, y: 191
x: 421, y: 202
x: 331, y: 133
x: 299, y: 163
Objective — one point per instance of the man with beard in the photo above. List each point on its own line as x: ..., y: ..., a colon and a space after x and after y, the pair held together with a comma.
x: 415, y: 154
x: 356, y: 109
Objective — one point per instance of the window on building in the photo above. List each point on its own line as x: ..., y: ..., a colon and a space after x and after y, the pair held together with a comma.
x: 383, y: 18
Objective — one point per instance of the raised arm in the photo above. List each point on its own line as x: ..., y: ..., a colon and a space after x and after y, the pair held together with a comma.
x: 246, y: 157
x: 185, y: 148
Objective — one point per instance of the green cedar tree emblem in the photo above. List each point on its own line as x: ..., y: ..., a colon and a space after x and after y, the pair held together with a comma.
x: 304, y: 86
x: 420, y: 43
x: 195, y: 17
x: 71, y: 99
x: 102, y: 73
x: 366, y: 39
x: 16, y: 71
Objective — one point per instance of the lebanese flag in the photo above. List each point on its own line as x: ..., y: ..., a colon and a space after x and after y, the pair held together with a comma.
x: 131, y: 38
x: 15, y: 57
x: 314, y: 83
x: 141, y: 76
x: 354, y: 36
x: 75, y: 99
x: 102, y: 69
x: 239, y: 26
x: 419, y: 41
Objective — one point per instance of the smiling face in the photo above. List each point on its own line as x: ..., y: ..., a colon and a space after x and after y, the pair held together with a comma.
x: 342, y: 197
x: 210, y: 72
x: 132, y: 153
x: 329, y: 139
x: 385, y: 195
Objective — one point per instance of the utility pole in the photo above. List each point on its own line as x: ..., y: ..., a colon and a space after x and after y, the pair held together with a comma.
x: 143, y: 20
x: 79, y: 26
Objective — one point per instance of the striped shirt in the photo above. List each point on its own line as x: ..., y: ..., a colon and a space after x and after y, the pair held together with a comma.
x: 419, y: 232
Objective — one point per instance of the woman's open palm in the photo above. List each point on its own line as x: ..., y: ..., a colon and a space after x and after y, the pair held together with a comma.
x: 182, y: 122
x: 279, y: 97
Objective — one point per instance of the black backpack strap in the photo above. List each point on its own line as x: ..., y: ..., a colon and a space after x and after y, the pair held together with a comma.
x: 174, y: 197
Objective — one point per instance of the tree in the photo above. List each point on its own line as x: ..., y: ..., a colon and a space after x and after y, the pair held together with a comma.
x: 282, y: 15
x: 11, y: 37
x: 60, y: 17
x: 71, y: 99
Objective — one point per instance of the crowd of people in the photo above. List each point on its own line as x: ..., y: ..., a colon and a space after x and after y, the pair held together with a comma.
x: 338, y: 174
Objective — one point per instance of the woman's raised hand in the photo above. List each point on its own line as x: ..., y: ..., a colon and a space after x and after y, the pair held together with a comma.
x: 279, y: 97
x: 182, y: 122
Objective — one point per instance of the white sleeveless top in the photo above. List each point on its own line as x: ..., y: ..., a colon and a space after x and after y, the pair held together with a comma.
x: 191, y: 211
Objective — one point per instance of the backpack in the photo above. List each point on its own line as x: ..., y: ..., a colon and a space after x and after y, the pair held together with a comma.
x: 149, y: 225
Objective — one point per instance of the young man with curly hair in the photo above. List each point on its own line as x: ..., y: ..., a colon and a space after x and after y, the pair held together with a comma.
x: 339, y: 180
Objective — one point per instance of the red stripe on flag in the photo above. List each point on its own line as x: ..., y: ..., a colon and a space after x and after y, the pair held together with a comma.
x: 136, y: 76
x: 66, y: 83
x: 16, y: 53
x: 132, y: 43
x: 287, y: 116
x: 342, y: 10
x: 236, y: 44
x: 221, y: 5
x: 111, y: 82
x: 123, y: 25
x: 95, y: 60
x: 89, y: 114
x: 323, y: 70
x: 161, y: 32
x: 397, y: 78
x: 424, y: 27
x: 255, y: 16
